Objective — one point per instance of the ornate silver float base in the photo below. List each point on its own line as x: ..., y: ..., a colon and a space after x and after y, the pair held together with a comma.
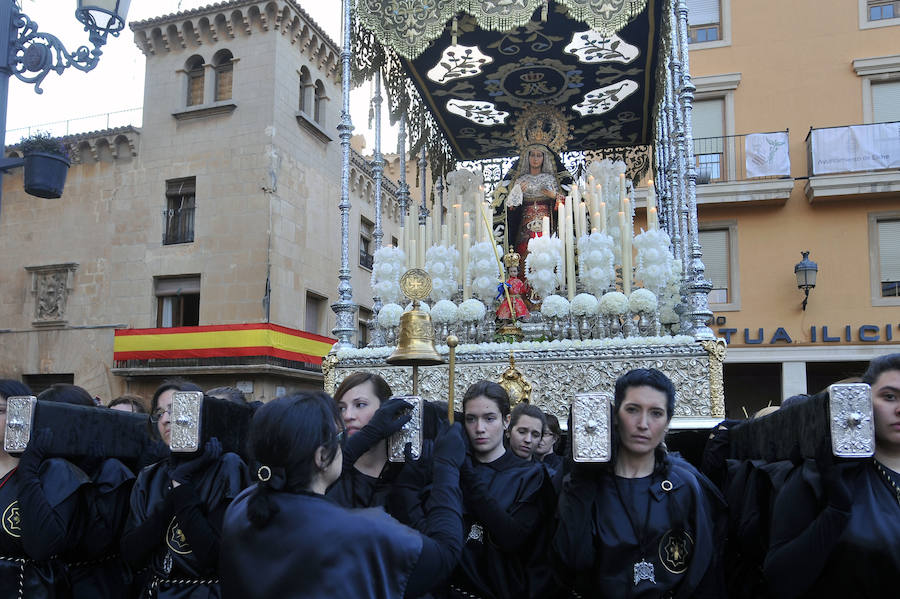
x: 557, y: 375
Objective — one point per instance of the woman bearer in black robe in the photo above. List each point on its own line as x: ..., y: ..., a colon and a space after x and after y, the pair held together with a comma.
x: 836, y: 527
x: 172, y: 537
x: 39, y: 509
x: 283, y: 538
x: 369, y: 416
x: 647, y: 524
x: 503, y: 502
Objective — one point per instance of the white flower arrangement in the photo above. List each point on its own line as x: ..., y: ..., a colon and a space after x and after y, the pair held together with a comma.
x: 543, y: 264
x: 483, y: 270
x: 388, y: 266
x: 555, y: 306
x: 471, y: 310
x: 614, y: 303
x: 389, y: 315
x: 642, y: 300
x: 440, y: 264
x: 536, y: 346
x: 444, y: 312
x: 596, y: 262
x: 670, y: 296
x: 606, y: 173
x: 654, y: 261
x: 585, y: 304
x: 423, y: 306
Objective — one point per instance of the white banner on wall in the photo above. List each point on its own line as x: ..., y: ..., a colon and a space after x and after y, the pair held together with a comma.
x: 856, y: 148
x: 767, y: 155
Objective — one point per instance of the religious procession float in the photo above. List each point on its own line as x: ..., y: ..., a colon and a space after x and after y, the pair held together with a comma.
x: 560, y: 249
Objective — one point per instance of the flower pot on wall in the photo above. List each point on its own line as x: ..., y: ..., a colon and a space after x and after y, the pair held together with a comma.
x: 45, y: 174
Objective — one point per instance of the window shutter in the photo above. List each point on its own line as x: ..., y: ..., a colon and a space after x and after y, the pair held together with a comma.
x: 224, y: 77
x: 886, y: 101
x: 708, y: 118
x: 177, y: 286
x: 703, y: 12
x: 889, y: 249
x: 715, y: 257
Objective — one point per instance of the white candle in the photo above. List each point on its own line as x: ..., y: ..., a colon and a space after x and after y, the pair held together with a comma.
x: 401, y: 241
x: 595, y: 223
x: 570, y: 258
x: 545, y: 226
x: 487, y: 222
x: 429, y: 231
x: 603, y: 217
x: 411, y: 256
x: 467, y: 230
x: 652, y: 219
x: 457, y: 230
x: 598, y: 198
x: 445, y: 235
x: 464, y: 260
x: 420, y: 247
x: 582, y: 219
x: 621, y: 187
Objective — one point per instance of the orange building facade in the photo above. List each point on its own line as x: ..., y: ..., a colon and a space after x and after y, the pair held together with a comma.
x: 825, y: 79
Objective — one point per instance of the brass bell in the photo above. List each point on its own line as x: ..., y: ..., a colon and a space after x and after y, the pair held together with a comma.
x: 415, y: 343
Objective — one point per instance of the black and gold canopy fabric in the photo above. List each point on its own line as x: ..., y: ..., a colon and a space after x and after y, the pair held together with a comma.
x: 469, y: 68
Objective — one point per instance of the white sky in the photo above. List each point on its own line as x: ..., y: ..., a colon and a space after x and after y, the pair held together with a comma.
x: 117, y: 83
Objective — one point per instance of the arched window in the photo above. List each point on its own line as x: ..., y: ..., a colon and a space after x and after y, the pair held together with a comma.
x: 223, y: 62
x: 194, y: 69
x: 306, y: 86
x: 321, y: 98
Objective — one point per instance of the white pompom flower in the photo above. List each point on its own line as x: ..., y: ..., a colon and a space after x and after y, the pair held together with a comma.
x: 642, y: 300
x: 555, y: 306
x: 614, y: 303
x: 444, y: 312
x: 471, y: 310
x: 585, y: 304
x: 389, y: 315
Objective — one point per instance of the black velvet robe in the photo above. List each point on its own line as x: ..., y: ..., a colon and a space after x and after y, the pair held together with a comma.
x: 94, y: 565
x: 822, y: 552
x: 27, y: 568
x: 493, y: 565
x: 312, y: 548
x: 216, y: 487
x: 596, y: 546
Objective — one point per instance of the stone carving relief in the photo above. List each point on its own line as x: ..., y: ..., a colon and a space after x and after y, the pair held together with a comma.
x: 50, y: 286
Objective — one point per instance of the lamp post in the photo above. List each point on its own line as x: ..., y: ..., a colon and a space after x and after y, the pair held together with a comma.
x: 30, y: 54
x: 806, y: 271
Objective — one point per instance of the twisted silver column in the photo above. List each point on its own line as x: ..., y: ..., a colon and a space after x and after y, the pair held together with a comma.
x: 423, y: 210
x: 344, y: 308
x: 376, y: 334
x: 402, y: 187
x: 698, y: 286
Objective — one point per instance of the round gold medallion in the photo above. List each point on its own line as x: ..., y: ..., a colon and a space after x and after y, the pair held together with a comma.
x: 415, y: 284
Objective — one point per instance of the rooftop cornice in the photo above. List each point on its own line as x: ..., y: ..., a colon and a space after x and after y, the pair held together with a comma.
x: 223, y: 20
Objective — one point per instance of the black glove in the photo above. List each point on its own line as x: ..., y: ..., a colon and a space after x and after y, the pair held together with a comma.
x: 450, y: 446
x: 386, y: 421
x: 36, y: 451
x: 389, y: 418
x: 183, y: 473
x: 836, y: 491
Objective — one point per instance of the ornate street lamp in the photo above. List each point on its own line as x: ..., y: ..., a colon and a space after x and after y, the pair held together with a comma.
x: 806, y: 271
x: 30, y: 54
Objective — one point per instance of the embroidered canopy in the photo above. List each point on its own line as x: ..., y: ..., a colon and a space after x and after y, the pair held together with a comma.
x: 464, y: 70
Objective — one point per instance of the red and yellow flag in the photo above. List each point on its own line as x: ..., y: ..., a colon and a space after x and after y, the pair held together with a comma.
x: 217, y: 341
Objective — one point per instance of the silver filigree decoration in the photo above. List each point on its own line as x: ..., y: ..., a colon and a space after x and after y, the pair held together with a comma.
x: 605, y: 16
x: 482, y: 113
x: 605, y: 98
x: 19, y: 417
x: 410, y: 433
x: 591, y: 427
x: 852, y: 426
x: 459, y: 62
x: 185, y: 434
x: 557, y: 375
x: 407, y: 26
x: 591, y: 47
x: 476, y: 533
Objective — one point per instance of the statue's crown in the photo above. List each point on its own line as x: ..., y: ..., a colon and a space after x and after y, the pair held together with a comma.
x: 511, y: 259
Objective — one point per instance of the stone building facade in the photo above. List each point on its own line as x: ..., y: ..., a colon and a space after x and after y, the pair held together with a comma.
x: 222, y: 209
